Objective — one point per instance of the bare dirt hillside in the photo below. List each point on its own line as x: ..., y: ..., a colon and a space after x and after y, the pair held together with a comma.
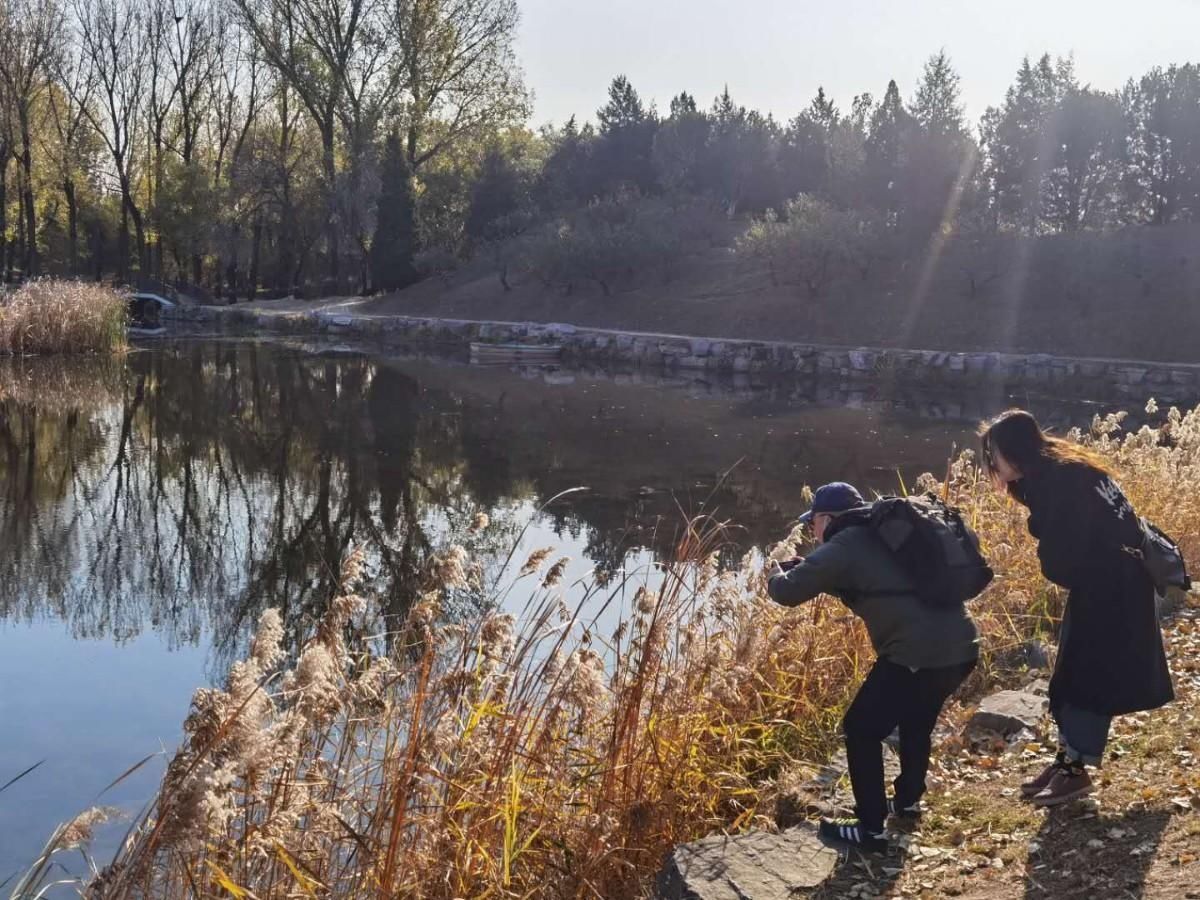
x: 1133, y: 293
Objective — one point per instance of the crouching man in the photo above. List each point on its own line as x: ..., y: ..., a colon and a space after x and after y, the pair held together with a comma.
x: 924, y: 652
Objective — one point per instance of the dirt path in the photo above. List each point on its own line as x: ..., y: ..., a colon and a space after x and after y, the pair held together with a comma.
x: 1138, y: 837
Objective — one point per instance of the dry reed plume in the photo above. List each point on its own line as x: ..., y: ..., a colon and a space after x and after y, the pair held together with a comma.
x: 537, y: 756
x: 52, y: 316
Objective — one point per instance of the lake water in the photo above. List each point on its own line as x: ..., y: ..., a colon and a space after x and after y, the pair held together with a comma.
x: 150, y: 509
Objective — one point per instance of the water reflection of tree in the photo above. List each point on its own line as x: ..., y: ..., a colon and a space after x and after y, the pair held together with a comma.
x: 193, y: 486
x: 218, y: 480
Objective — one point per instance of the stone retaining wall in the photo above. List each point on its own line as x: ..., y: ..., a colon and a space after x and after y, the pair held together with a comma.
x: 1170, y: 382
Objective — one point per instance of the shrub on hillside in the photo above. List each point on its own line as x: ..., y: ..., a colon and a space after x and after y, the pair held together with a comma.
x: 810, y: 244
x: 500, y: 242
x: 436, y: 261
x: 618, y: 242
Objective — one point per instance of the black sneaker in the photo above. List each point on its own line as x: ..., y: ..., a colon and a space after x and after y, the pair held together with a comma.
x: 851, y: 831
x: 912, y: 812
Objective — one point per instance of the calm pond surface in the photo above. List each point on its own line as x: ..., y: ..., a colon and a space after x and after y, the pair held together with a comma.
x: 151, y: 508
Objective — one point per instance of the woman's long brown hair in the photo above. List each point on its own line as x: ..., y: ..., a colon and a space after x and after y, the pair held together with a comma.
x: 1019, y: 438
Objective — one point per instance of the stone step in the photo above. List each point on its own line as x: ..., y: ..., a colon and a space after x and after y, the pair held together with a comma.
x: 1008, y: 712
x: 755, y: 866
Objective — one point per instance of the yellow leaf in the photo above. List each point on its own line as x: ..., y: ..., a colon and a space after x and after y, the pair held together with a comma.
x: 227, y: 883
x: 306, y: 882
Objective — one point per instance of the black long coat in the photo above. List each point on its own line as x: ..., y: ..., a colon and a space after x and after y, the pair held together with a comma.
x: 1111, y: 658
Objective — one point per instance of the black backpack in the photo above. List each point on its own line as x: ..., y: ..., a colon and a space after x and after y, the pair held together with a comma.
x: 933, y: 544
x: 1163, y: 559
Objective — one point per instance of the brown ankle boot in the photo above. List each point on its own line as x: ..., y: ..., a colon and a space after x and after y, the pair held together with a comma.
x: 1041, y: 782
x: 1066, y: 784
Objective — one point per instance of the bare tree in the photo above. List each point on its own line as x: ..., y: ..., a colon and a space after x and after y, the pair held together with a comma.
x: 30, y: 29
x: 75, y: 88
x: 237, y: 98
x: 161, y: 92
x: 456, y: 67
x: 234, y: 114
x: 191, y: 49
x: 113, y: 34
x: 330, y: 55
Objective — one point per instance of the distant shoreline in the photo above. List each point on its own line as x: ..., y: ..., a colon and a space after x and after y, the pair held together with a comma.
x: 1075, y: 376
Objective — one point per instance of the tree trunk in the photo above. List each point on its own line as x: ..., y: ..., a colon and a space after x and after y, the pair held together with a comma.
x: 31, y: 254
x: 22, y: 251
x: 3, y: 204
x: 96, y: 236
x: 139, y: 230
x: 123, y: 242
x: 255, y: 253
x: 72, y: 224
x: 155, y: 251
x: 330, y: 167
x: 235, y: 262
x: 285, y: 278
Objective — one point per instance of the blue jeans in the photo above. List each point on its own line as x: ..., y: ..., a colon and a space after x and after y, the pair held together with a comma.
x: 1082, y: 734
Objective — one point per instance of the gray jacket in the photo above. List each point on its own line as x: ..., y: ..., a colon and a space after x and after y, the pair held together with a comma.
x: 858, y: 569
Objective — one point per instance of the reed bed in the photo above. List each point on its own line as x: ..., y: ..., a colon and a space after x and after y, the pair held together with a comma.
x: 537, y: 756
x: 56, y: 316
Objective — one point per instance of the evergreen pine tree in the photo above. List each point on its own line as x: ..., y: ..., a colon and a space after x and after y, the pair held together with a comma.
x: 823, y: 111
x: 936, y: 106
x: 499, y: 191
x: 884, y: 150
x: 627, y: 132
x: 624, y: 108
x: 395, y: 240
x: 684, y: 104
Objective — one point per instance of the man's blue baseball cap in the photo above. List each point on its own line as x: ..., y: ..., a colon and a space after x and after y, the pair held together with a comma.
x: 836, y: 497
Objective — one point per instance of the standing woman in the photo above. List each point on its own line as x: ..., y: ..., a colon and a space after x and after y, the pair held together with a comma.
x: 1110, y: 653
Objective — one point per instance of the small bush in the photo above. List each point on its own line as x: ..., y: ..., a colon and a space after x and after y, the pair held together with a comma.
x: 436, y: 261
x: 49, y: 316
x: 810, y: 245
x: 615, y: 243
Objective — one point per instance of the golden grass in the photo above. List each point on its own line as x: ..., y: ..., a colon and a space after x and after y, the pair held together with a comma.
x: 52, y: 316
x: 537, y: 756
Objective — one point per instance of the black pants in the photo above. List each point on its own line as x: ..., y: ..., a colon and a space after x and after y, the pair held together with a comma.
x: 894, y: 695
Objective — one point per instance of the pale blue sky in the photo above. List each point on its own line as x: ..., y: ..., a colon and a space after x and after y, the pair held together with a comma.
x: 774, y: 53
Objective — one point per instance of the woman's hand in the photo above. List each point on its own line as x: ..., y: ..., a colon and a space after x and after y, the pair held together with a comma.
x: 773, y: 569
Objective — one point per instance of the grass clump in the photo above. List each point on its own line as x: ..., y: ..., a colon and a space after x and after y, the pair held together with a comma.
x: 54, y: 316
x: 537, y: 755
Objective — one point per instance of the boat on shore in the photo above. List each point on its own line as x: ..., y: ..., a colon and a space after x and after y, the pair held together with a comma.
x: 145, y: 315
x: 515, y: 353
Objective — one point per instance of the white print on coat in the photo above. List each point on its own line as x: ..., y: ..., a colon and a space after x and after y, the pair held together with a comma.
x: 1114, y: 498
